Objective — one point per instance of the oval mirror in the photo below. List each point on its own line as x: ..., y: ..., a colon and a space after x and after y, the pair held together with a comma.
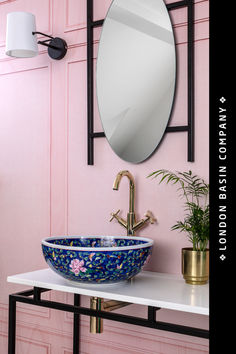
x: 135, y: 76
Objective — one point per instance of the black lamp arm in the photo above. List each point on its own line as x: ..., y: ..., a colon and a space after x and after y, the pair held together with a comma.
x: 57, y: 47
x: 46, y: 40
x: 48, y: 45
x: 46, y: 35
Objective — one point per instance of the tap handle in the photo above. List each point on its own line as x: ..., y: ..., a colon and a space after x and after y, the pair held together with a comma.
x: 114, y: 215
x: 149, y: 215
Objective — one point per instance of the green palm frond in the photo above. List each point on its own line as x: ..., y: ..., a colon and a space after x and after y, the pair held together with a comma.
x: 195, y: 191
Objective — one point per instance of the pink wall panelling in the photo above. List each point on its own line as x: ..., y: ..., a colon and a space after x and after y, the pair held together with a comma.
x: 47, y: 188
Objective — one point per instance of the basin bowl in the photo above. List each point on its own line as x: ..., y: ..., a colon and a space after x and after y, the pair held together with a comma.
x: 97, y: 259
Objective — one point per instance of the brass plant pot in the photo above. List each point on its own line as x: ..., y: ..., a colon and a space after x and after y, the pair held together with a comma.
x: 195, y: 266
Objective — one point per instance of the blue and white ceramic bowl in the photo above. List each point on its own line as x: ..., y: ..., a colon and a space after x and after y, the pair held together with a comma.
x: 97, y: 259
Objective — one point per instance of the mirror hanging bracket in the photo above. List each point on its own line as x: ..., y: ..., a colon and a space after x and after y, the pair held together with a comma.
x: 189, y: 128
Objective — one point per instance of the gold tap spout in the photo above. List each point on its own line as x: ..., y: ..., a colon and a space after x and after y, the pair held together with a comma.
x: 130, y: 216
x: 131, y: 187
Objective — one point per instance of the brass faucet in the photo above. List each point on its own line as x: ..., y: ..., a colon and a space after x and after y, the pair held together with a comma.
x: 131, y: 225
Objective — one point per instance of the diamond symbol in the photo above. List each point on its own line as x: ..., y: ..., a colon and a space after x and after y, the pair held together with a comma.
x: 222, y: 257
x: 222, y: 100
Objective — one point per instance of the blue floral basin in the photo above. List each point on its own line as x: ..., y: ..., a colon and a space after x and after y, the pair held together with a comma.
x: 97, y: 259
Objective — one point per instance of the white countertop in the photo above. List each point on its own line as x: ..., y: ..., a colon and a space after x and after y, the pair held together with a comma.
x: 147, y: 288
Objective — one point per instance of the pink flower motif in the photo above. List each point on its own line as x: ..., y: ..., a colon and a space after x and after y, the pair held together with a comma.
x: 77, y: 266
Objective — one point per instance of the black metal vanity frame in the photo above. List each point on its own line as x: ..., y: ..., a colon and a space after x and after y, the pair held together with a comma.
x: 189, y: 128
x: 33, y: 297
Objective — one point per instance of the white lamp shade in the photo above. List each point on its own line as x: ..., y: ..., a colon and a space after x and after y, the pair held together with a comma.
x: 20, y: 42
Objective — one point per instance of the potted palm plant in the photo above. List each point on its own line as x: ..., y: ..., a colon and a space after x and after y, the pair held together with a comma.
x: 195, y: 260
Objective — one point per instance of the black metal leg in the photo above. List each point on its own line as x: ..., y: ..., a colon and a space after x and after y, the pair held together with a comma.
x: 12, y: 326
x: 152, y: 313
x: 76, y: 336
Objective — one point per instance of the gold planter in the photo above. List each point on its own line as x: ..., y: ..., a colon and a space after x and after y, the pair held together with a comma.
x: 195, y: 266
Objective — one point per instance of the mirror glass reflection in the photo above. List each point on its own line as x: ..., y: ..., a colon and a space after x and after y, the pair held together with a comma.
x: 135, y: 74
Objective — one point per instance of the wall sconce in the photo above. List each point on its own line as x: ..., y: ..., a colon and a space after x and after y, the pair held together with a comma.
x: 21, y: 39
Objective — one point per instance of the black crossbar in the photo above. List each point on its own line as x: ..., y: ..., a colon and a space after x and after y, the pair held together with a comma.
x: 80, y: 310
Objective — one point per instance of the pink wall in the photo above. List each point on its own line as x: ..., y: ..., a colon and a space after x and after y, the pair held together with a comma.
x: 47, y: 188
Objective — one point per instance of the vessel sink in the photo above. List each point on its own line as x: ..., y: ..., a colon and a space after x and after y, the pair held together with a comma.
x: 97, y: 259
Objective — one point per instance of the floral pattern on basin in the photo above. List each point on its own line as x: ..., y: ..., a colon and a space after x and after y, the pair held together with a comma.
x: 77, y: 266
x: 97, y: 259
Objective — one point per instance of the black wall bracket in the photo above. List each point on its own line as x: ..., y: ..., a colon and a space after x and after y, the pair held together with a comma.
x: 33, y: 297
x: 57, y: 47
x: 189, y: 127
